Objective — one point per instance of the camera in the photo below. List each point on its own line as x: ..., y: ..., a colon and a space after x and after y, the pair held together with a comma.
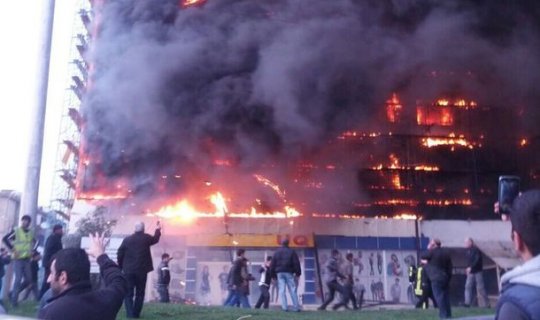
x: 508, y: 191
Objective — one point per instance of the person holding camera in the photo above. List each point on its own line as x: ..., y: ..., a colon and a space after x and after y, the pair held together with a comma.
x: 520, y: 295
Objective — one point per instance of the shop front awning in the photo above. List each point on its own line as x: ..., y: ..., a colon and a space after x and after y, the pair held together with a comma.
x: 501, y: 252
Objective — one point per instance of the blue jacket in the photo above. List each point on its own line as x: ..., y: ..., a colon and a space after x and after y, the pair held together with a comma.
x: 520, y: 297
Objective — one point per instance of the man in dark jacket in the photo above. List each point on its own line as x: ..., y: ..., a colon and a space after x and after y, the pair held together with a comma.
x: 33, y: 288
x: 264, y: 284
x: 5, y: 259
x: 520, y: 296
x: 164, y: 278
x: 286, y: 266
x: 70, y: 283
x: 474, y: 274
x: 52, y: 246
x: 439, y: 273
x: 135, y: 259
x: 348, y: 283
x: 332, y: 275
x: 239, y: 279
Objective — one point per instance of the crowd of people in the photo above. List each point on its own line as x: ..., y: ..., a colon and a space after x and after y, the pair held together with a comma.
x: 283, y: 267
x: 66, y: 292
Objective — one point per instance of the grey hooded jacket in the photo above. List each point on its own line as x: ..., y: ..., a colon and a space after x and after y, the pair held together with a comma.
x: 520, y: 297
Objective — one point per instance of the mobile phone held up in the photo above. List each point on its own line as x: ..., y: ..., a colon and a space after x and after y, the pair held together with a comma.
x: 508, y: 191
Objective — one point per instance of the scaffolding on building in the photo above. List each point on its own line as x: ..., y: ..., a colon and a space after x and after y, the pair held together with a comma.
x: 67, y: 154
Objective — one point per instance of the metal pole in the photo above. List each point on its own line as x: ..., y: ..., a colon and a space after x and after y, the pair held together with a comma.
x: 417, y: 240
x: 29, y: 199
x: 317, y: 262
x: 498, y: 271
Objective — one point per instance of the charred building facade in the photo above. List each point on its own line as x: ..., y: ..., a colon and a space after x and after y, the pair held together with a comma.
x: 233, y: 110
x: 352, y: 108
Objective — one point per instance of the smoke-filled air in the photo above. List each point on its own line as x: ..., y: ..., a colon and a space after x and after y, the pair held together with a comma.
x: 248, y: 97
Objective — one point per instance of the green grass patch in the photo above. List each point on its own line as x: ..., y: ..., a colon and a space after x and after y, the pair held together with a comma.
x: 177, y: 311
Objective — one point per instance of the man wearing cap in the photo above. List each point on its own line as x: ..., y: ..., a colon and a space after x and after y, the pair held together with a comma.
x: 52, y: 246
x: 135, y: 259
x: 285, y: 266
x: 21, y: 241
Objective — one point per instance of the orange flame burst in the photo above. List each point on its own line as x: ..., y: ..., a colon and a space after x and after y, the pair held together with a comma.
x: 184, y: 212
x: 102, y: 196
x: 219, y: 202
x: 395, y: 165
x: 400, y: 216
x: 451, y: 140
x: 458, y: 103
x: 190, y: 3
x: 181, y: 212
x: 393, y: 108
x: 270, y: 184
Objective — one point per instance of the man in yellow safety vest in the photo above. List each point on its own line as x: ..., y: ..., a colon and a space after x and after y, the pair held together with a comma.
x: 421, y: 285
x: 21, y: 242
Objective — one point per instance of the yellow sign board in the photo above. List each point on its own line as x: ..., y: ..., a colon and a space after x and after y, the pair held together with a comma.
x: 250, y: 240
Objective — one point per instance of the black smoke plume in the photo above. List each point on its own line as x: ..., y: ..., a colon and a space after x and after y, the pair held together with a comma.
x: 264, y: 84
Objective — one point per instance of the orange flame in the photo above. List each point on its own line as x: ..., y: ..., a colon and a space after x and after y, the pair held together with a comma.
x: 442, y: 102
x: 395, y: 165
x: 190, y: 3
x: 102, y: 196
x: 452, y: 140
x: 396, y: 181
x: 400, y: 216
x: 449, y: 202
x: 458, y: 103
x: 183, y: 212
x: 393, y: 108
x: 219, y: 202
x: 270, y: 184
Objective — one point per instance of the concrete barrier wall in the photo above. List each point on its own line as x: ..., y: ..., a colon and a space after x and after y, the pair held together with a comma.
x: 453, y: 232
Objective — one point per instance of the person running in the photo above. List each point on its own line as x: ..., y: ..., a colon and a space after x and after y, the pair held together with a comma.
x: 332, y: 283
x: 348, y: 286
x: 239, y: 280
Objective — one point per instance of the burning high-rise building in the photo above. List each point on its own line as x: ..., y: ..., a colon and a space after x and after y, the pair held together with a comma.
x: 281, y: 111
x: 233, y: 109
